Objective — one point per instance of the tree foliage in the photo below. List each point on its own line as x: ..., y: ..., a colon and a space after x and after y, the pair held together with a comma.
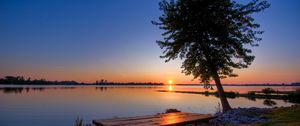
x: 212, y: 36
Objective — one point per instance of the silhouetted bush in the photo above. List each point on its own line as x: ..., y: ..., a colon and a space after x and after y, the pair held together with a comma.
x: 172, y: 110
x: 294, y: 97
x: 231, y: 94
x: 206, y: 93
x: 268, y: 91
x: 251, y: 93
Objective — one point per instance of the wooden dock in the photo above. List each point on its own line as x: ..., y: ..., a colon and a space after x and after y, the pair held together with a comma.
x: 168, y: 119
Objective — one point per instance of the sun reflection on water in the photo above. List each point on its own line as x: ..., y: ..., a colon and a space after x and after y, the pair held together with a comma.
x: 171, y: 118
x: 170, y: 87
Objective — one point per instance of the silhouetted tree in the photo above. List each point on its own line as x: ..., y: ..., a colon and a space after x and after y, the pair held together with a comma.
x: 211, y: 36
x: 28, y: 80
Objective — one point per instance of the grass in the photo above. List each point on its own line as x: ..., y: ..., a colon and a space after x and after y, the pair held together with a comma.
x: 284, y: 116
x: 78, y: 122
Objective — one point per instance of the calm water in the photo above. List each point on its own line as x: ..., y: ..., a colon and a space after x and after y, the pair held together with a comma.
x: 61, y: 105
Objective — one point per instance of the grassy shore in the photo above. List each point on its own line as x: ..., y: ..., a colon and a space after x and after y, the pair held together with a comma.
x: 230, y: 94
x: 283, y: 116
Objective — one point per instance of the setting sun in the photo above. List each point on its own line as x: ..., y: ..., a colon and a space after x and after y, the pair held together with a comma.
x: 170, y: 81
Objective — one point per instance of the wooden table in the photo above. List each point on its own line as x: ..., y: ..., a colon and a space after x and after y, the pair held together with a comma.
x: 168, y: 119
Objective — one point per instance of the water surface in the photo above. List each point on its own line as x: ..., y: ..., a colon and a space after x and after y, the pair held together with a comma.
x: 61, y: 105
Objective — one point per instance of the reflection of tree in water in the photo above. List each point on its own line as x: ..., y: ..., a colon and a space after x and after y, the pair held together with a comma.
x: 101, y: 88
x: 38, y: 88
x: 27, y: 89
x: 269, y: 102
x: 251, y: 98
x: 12, y: 90
x: 19, y: 90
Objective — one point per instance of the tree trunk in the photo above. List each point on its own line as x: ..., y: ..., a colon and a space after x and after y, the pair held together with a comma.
x: 224, y: 102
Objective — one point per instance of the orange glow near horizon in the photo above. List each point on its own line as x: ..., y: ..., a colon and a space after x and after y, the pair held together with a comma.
x: 249, y: 77
x: 255, y: 75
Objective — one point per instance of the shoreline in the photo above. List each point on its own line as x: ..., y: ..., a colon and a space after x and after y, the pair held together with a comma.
x: 291, y: 96
x: 145, y: 84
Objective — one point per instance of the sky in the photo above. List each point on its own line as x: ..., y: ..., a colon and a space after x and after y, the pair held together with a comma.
x: 89, y: 40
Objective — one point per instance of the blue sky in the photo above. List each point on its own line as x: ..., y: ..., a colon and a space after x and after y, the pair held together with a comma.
x: 115, y: 40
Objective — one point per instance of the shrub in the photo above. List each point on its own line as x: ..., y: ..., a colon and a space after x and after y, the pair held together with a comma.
x: 171, y: 110
x: 231, y: 94
x: 294, y: 97
x: 268, y: 91
x: 251, y: 93
x: 297, y: 91
x: 206, y: 93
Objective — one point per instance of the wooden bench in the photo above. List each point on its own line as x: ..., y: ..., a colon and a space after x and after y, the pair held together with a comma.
x: 168, y: 119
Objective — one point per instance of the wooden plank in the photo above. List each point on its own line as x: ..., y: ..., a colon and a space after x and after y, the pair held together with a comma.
x: 131, y: 120
x: 188, y: 118
x: 167, y: 119
x: 149, y: 120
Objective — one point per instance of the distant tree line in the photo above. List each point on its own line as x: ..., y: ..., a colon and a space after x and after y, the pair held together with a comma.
x: 22, y: 80
x: 102, y: 81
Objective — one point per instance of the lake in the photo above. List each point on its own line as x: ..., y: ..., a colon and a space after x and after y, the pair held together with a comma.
x: 61, y: 105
